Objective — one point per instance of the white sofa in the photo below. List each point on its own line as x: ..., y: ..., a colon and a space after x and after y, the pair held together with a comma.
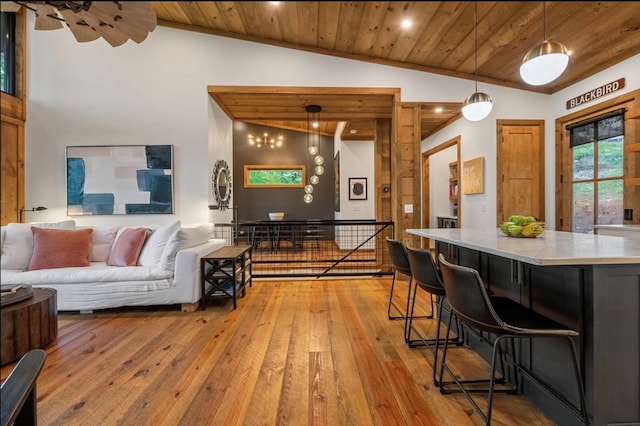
x: 167, y: 271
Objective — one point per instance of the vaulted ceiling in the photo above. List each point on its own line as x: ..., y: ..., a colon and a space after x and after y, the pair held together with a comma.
x: 441, y: 40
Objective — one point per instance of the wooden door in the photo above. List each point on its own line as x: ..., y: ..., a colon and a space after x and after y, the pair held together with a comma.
x: 520, y: 167
x: 11, y: 157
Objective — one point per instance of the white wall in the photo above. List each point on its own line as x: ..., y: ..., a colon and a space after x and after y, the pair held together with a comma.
x: 478, y: 139
x: 357, y: 161
x: 156, y: 93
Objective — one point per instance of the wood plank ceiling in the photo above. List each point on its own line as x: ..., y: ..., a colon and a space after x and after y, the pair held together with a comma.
x: 441, y: 40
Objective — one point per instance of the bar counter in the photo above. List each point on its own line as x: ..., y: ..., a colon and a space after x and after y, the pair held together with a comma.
x: 590, y: 283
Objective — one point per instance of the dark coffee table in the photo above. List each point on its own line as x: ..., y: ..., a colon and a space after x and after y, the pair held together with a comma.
x: 29, y: 324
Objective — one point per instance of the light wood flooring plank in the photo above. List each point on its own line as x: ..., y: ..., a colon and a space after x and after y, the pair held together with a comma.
x: 294, y: 352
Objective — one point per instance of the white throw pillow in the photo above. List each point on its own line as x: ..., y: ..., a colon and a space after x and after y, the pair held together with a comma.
x: 101, y: 241
x: 18, y: 242
x: 154, y: 246
x: 185, y: 237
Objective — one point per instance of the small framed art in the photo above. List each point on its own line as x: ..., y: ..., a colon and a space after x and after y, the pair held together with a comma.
x: 357, y: 188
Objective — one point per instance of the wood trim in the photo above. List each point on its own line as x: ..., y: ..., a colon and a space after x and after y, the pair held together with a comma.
x: 631, y: 102
x: 426, y: 183
x: 14, y: 115
x: 500, y: 170
x: 249, y: 167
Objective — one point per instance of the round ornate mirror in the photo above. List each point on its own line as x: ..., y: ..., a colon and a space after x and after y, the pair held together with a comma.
x: 221, y: 184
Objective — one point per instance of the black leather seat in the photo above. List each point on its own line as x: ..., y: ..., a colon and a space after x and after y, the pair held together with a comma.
x: 426, y: 276
x: 399, y: 265
x: 505, y: 319
x: 18, y: 391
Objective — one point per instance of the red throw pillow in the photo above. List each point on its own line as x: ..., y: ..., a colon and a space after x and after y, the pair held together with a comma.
x: 60, y: 248
x: 127, y: 247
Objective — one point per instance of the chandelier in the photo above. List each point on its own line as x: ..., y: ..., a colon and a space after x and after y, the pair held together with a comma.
x: 115, y: 21
x: 265, y: 140
x: 313, y: 147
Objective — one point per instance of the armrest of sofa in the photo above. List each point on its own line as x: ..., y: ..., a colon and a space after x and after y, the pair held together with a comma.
x: 187, y: 270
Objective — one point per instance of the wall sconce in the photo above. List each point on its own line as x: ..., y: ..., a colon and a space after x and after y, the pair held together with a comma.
x: 32, y: 209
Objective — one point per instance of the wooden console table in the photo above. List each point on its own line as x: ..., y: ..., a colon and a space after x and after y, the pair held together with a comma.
x: 227, y: 271
x: 29, y: 324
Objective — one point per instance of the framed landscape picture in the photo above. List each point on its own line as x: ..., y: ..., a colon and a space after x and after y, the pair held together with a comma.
x: 119, y: 179
x: 262, y: 176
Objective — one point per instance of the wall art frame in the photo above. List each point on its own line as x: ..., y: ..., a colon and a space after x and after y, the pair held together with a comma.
x: 278, y: 176
x: 473, y: 176
x: 119, y: 179
x: 358, y: 188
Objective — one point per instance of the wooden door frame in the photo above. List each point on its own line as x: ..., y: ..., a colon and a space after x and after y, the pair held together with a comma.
x: 499, y: 167
x: 631, y: 102
x: 456, y: 141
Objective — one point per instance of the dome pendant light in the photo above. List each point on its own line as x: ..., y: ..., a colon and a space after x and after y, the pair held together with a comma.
x: 545, y: 62
x: 478, y: 105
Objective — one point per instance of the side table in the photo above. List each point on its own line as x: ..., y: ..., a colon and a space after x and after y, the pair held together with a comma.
x: 226, y: 271
x: 29, y: 324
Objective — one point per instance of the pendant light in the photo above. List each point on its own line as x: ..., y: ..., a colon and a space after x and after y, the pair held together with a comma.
x: 478, y: 105
x: 545, y: 62
x: 313, y: 148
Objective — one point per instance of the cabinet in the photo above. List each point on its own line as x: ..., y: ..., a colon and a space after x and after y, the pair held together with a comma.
x: 453, y: 187
x: 447, y: 222
x: 225, y: 273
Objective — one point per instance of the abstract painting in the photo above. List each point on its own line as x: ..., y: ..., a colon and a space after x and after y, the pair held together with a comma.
x: 119, y: 179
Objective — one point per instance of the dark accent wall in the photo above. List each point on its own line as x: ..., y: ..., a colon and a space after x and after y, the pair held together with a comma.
x: 256, y: 203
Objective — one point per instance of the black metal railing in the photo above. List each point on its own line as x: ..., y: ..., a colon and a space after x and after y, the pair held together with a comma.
x: 313, y: 248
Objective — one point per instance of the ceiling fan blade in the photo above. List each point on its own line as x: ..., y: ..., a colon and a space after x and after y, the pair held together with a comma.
x: 135, y: 19
x: 47, y: 18
x: 9, y: 6
x: 80, y: 29
x: 114, y: 37
x: 129, y: 13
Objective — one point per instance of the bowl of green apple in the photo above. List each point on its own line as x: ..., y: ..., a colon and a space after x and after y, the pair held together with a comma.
x: 521, y: 226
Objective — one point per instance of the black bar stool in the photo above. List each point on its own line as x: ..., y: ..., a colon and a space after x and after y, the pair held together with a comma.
x: 506, y: 319
x: 427, y: 277
x: 400, y: 264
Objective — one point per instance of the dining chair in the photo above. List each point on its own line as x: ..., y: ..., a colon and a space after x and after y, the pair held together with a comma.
x: 505, y: 319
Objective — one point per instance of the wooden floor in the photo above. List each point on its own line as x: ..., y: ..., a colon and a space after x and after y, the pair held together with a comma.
x: 319, y: 352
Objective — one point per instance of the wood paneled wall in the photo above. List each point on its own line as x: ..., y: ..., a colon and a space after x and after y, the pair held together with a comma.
x: 12, y: 134
x: 405, y: 171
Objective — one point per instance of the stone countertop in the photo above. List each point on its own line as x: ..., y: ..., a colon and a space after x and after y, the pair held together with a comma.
x: 550, y: 248
x: 630, y: 228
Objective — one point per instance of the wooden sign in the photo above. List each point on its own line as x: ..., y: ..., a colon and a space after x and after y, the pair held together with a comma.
x: 594, y: 94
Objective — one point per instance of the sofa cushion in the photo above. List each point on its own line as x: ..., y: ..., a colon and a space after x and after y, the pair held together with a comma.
x: 127, y: 247
x: 18, y: 242
x: 185, y: 237
x: 60, y: 248
x: 156, y: 242
x: 101, y: 241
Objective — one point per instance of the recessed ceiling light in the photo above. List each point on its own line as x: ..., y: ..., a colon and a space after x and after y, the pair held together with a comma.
x: 406, y: 23
x: 353, y: 131
x: 438, y: 109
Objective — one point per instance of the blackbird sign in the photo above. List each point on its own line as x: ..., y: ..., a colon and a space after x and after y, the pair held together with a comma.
x: 594, y: 94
